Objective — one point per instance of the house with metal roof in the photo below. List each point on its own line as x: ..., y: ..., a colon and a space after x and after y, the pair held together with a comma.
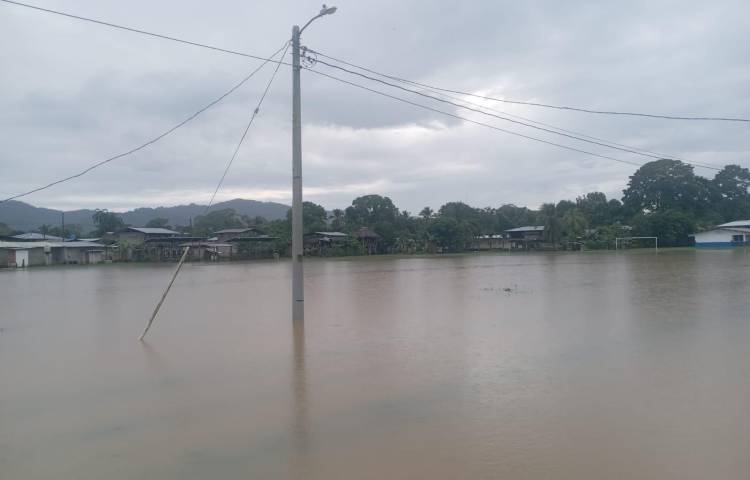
x: 30, y: 254
x: 527, y: 237
x: 133, y: 236
x: 731, y: 234
x: 495, y: 241
x: 320, y: 243
x: 229, y: 234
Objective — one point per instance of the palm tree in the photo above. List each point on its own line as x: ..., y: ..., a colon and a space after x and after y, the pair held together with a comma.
x: 338, y: 219
x: 426, y: 213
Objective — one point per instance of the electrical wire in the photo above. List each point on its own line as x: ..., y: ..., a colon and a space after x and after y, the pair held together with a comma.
x: 628, y: 148
x: 477, y: 110
x: 244, y: 134
x: 466, y: 119
x: 184, y: 255
x: 142, y: 32
x: 153, y: 140
x: 393, y: 77
x: 535, y: 104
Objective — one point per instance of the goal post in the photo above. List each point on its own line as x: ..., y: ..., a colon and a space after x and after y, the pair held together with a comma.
x: 627, y: 240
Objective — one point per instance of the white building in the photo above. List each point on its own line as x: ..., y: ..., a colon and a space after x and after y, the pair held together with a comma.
x: 31, y: 254
x: 732, y: 234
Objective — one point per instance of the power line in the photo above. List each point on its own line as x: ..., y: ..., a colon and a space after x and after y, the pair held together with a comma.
x: 153, y: 140
x: 476, y: 122
x: 244, y: 134
x: 393, y: 77
x: 641, y: 151
x: 477, y: 110
x: 266, y: 60
x: 221, y: 180
x: 142, y: 32
x: 535, y: 104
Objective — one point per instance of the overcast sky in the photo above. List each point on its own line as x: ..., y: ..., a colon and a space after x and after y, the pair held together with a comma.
x: 73, y: 93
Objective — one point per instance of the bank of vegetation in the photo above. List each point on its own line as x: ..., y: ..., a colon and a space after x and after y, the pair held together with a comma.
x: 663, y: 198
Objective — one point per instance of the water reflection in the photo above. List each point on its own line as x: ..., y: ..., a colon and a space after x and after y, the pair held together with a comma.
x: 300, y: 427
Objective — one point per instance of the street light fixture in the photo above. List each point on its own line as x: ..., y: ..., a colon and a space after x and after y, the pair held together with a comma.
x: 298, y: 286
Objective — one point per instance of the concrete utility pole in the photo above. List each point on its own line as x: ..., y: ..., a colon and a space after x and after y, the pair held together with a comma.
x: 65, y: 253
x: 298, y: 286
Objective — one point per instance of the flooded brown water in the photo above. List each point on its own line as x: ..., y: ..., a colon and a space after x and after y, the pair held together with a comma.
x: 550, y: 366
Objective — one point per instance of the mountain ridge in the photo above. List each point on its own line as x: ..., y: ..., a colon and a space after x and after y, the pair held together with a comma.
x: 23, y: 216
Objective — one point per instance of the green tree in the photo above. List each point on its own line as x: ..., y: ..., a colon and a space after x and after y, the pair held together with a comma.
x: 217, y: 220
x: 5, y: 230
x: 337, y: 224
x: 731, y: 186
x: 448, y: 233
x: 158, y: 223
x: 370, y: 210
x: 106, y: 221
x: 510, y: 216
x: 573, y: 225
x: 597, y: 210
x: 672, y: 227
x: 314, y: 218
x: 667, y: 184
x: 552, y: 223
x: 732, y: 183
x: 426, y: 213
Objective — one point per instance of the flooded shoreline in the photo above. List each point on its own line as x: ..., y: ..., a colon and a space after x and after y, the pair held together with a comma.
x: 471, y: 366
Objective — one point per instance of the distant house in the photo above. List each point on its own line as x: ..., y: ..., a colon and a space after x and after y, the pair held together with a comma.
x: 133, y: 236
x: 37, y: 253
x: 319, y: 242
x: 233, y: 233
x: 211, y: 251
x: 526, y: 238
x: 732, y: 234
x: 490, y: 242
x: 368, y: 239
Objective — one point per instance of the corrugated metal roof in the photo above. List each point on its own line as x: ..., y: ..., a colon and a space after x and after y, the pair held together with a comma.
x: 236, y: 230
x: 253, y: 238
x: 151, y: 230
x: 73, y: 244
x: 206, y: 244
x: 37, y: 236
x: 80, y: 243
x: 530, y: 228
x: 736, y: 223
x: 332, y: 234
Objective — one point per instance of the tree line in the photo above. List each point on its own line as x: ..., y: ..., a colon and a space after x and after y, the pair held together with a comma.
x: 663, y: 198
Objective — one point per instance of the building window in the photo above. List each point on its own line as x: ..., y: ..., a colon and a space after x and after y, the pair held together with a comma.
x: 738, y: 238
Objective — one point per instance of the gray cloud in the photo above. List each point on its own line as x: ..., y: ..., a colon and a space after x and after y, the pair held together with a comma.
x: 75, y: 93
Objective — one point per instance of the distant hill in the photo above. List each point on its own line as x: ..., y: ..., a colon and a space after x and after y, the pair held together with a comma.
x: 22, y: 216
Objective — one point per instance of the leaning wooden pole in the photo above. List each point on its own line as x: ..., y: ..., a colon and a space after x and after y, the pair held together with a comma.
x: 164, y: 295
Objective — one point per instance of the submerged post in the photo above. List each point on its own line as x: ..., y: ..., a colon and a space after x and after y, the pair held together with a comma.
x: 164, y: 295
x: 298, y: 287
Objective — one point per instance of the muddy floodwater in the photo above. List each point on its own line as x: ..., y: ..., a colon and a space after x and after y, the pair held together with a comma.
x: 543, y: 366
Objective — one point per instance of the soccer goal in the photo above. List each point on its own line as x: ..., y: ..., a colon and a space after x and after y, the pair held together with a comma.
x: 634, y: 242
